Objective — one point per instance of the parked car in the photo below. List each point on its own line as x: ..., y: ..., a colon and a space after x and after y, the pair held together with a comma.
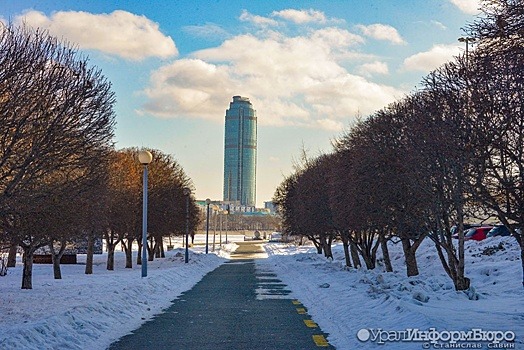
x: 275, y: 237
x: 466, y: 227
x: 477, y: 233
x: 499, y: 230
x: 454, y: 232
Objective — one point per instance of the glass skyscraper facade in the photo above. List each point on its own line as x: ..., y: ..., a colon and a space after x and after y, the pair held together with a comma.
x: 240, y: 153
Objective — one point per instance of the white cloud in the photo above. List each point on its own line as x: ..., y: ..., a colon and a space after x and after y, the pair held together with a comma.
x: 290, y: 80
x: 301, y: 16
x: 375, y: 67
x: 337, y: 38
x: 245, y: 16
x: 382, y: 32
x: 209, y: 30
x: 432, y: 59
x: 467, y: 6
x: 119, y: 33
x: 188, y: 87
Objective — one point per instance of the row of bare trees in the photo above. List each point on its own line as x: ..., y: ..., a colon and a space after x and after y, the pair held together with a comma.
x: 166, y: 204
x: 451, y: 152
x: 60, y: 177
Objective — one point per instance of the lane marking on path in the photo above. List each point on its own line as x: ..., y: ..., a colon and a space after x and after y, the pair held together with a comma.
x: 310, y: 323
x: 301, y: 311
x: 296, y: 302
x: 320, y: 340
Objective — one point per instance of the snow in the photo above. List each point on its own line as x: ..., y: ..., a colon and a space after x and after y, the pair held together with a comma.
x: 91, y: 311
x: 362, y: 299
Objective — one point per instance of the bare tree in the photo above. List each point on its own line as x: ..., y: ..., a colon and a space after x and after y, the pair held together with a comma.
x: 166, y: 203
x: 498, y: 76
x: 57, y: 122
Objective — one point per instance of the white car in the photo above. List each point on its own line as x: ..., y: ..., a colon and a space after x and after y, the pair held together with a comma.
x: 275, y: 237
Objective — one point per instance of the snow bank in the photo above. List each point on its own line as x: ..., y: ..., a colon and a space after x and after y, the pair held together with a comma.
x: 344, y: 301
x: 91, y: 311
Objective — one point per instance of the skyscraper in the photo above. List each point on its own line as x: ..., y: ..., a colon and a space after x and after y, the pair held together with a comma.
x: 240, y: 153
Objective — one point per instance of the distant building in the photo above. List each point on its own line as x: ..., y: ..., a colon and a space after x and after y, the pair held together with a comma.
x: 240, y: 153
x: 270, y: 206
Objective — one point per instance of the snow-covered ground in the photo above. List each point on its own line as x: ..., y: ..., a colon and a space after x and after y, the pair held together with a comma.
x: 344, y: 302
x: 91, y: 311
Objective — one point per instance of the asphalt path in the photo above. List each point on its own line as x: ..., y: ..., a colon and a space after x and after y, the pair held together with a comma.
x: 236, y: 306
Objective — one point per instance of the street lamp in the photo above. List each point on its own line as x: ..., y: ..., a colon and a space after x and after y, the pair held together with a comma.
x: 187, y: 192
x: 221, y: 212
x: 467, y: 40
x: 144, y: 157
x: 227, y: 212
x: 208, y: 201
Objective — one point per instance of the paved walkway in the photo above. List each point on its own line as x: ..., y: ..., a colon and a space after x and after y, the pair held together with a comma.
x: 233, y: 307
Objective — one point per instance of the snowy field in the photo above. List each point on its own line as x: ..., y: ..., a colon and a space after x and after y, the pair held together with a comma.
x: 91, y: 311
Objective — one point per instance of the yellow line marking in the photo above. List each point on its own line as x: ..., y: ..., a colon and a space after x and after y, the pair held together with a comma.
x: 296, y: 302
x: 310, y: 324
x: 301, y: 311
x: 320, y: 340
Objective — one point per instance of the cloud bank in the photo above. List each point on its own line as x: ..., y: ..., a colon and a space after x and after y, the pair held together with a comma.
x: 291, y: 80
x: 119, y: 33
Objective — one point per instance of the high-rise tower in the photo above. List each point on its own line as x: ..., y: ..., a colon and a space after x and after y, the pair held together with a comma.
x: 240, y: 152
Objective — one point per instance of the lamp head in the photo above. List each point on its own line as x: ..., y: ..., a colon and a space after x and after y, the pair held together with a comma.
x: 145, y: 157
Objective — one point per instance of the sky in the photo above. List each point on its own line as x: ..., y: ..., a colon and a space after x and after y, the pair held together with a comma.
x: 310, y: 68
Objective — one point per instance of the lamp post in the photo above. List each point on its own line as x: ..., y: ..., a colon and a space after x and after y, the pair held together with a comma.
x: 215, y: 229
x: 220, y: 235
x: 144, y: 157
x: 227, y: 212
x: 187, y: 192
x: 208, y: 202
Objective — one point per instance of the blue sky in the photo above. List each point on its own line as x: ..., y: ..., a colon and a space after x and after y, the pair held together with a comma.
x: 309, y: 67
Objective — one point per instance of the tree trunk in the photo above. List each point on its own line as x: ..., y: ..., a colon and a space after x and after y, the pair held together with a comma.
x: 385, y: 253
x: 90, y: 253
x: 151, y: 250
x: 110, y: 257
x: 369, y: 261
x: 328, y: 253
x: 128, y: 248
x: 55, y: 257
x: 316, y: 244
x: 56, y: 267
x: 157, y: 247
x: 27, y: 272
x: 11, y: 257
x: 345, y: 244
x: 522, y: 258
x: 462, y: 282
x: 410, y: 258
x: 161, y: 246
x: 139, y: 256
x: 111, y: 245
x: 325, y: 244
x: 354, y: 254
